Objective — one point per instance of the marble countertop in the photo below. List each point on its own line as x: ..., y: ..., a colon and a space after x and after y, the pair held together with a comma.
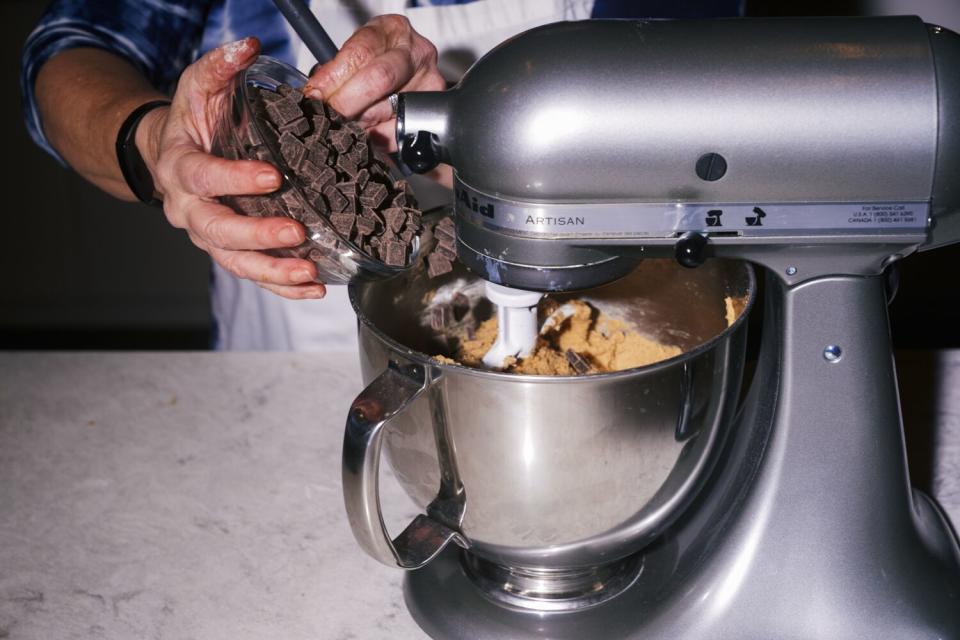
x: 197, y: 496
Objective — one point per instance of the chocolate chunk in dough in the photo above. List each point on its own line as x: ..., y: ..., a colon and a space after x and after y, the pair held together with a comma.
x: 438, y: 265
x: 335, y: 199
x: 577, y: 361
x: 373, y: 195
x: 343, y: 223
x: 441, y: 317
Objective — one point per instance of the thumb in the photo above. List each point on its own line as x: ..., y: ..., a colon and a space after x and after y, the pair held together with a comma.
x: 213, y: 72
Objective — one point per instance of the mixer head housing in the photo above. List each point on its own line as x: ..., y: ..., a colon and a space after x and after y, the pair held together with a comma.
x: 580, y: 148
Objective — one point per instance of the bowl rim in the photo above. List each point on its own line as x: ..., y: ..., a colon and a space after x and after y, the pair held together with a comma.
x: 431, y: 363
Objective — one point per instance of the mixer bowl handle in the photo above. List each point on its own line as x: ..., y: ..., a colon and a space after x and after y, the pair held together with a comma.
x: 387, y: 396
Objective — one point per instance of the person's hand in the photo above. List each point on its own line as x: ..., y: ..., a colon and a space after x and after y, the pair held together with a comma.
x: 383, y: 57
x: 177, y: 143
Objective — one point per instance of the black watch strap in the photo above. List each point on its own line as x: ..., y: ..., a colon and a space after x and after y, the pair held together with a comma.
x: 132, y: 166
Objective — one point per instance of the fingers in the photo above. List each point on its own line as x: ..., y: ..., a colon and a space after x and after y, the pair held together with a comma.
x: 366, y: 43
x: 215, y: 69
x: 379, y: 77
x: 266, y: 270
x: 298, y: 292
x: 207, y: 176
x: 383, y: 56
x: 219, y: 227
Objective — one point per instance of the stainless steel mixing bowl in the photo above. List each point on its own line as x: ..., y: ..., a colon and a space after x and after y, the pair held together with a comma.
x: 542, y: 471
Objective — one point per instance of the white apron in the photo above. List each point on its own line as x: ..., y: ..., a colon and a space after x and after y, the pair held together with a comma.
x: 250, y: 318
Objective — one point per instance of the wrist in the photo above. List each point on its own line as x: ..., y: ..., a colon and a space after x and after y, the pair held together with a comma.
x: 147, y: 139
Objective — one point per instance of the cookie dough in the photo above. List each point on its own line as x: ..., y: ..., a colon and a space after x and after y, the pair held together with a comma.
x: 579, y: 340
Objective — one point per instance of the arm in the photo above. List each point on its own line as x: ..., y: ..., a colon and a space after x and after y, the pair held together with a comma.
x: 84, y: 95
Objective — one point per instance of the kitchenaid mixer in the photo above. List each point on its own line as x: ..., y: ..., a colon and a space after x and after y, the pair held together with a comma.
x: 822, y: 150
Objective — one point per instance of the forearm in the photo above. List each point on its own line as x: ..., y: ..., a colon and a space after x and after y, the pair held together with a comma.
x: 83, y: 96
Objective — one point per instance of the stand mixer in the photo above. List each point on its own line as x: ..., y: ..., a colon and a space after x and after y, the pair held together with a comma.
x: 823, y: 151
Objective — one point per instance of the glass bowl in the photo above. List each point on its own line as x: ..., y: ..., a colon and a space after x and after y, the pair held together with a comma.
x: 240, y: 134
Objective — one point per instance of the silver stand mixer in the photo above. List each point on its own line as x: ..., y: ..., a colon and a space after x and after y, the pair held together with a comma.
x: 650, y: 504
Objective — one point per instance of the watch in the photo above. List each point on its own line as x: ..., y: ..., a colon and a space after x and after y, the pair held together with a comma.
x: 132, y: 166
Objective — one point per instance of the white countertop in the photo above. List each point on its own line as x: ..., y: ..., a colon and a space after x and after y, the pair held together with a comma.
x: 197, y: 496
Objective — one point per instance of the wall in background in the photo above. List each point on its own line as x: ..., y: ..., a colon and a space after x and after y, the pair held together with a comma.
x: 79, y: 266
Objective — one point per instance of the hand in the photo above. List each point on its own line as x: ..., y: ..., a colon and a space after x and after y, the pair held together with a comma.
x: 384, y: 56
x: 177, y: 143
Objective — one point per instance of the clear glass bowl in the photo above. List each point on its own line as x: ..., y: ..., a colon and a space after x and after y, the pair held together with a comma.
x: 240, y: 135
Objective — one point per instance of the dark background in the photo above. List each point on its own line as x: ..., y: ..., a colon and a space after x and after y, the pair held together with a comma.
x: 84, y: 271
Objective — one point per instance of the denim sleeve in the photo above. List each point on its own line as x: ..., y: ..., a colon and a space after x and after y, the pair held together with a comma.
x: 159, y: 37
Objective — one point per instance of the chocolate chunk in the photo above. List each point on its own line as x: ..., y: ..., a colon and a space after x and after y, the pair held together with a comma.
x: 355, y: 129
x: 317, y: 153
x: 394, y: 218
x: 347, y: 166
x: 445, y: 229
x: 373, y: 195
x: 577, y: 361
x: 352, y: 205
x: 310, y: 218
x: 341, y: 140
x: 335, y: 199
x: 399, y: 200
x: 325, y: 178
x: 395, y: 253
x: 309, y: 172
x: 413, y: 217
x: 313, y: 198
x: 292, y: 150
x: 448, y: 252
x: 347, y: 188
x: 343, y: 223
x: 438, y: 265
x: 292, y: 202
x: 407, y: 235
x: 441, y: 317
x: 363, y: 177
x: 297, y: 127
x: 359, y: 153
x: 321, y: 126
x: 269, y: 96
x: 262, y: 153
x: 366, y: 224
x: 283, y: 111
x: 287, y: 91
